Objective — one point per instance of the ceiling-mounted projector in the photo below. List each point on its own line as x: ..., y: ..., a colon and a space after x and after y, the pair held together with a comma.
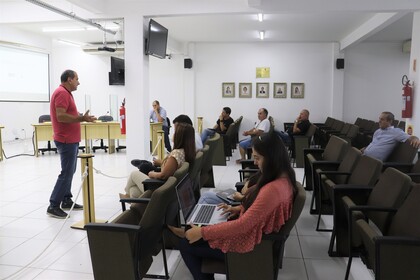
x: 106, y: 49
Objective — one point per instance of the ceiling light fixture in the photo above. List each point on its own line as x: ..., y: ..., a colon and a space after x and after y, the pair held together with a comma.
x: 260, y: 17
x: 262, y: 34
x: 70, y: 15
x: 63, y: 29
x: 70, y: 43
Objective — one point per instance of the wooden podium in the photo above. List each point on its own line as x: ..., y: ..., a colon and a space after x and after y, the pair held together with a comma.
x: 88, y: 193
x: 154, y: 128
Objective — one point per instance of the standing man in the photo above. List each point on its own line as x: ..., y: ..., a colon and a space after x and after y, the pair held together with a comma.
x: 66, y: 126
x: 386, y: 137
x: 158, y: 114
x: 222, y: 125
x: 260, y: 127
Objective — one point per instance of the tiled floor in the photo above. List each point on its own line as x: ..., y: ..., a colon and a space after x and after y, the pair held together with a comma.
x: 36, y: 246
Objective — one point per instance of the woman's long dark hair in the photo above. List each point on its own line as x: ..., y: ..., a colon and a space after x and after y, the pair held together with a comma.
x: 184, y: 138
x: 276, y: 162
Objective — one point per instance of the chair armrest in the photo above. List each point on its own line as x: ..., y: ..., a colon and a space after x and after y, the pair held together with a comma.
x: 367, y: 208
x: 403, y: 167
x: 132, y: 200
x: 239, y: 186
x: 247, y: 170
x: 397, y: 257
x: 112, y: 227
x: 313, y: 151
x: 247, y: 163
x: 332, y: 172
x: 415, y: 177
x: 152, y: 184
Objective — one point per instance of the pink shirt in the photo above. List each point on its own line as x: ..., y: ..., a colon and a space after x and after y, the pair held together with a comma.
x: 270, y: 210
x: 64, y: 132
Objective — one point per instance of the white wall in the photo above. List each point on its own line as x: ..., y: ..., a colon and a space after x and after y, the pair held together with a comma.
x: 311, y: 64
x: 17, y: 117
x: 370, y: 68
x: 372, y: 80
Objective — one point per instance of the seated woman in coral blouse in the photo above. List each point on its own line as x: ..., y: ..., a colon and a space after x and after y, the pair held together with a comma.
x: 266, y: 207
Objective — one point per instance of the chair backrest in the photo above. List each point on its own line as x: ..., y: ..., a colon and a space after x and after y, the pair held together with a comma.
x: 207, y: 170
x: 116, y: 255
x: 335, y: 149
x: 311, y: 131
x: 195, y: 170
x: 106, y: 118
x: 406, y: 221
x: 44, y: 118
x: 349, y: 162
x: 358, y: 121
x: 345, y: 129
x: 352, y: 133
x: 366, y: 171
x: 271, y: 120
x: 390, y: 191
x: 264, y: 260
x: 112, y: 250
x: 298, y: 204
x: 329, y: 122
x: 403, y: 153
x: 182, y: 171
x: 416, y: 167
x: 401, y: 125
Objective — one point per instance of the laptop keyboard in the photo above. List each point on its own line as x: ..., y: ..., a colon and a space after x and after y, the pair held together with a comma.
x: 204, y: 214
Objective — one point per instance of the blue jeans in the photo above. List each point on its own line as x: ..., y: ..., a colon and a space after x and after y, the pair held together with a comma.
x: 68, y: 158
x: 245, y: 143
x: 284, y: 136
x: 206, y: 134
x: 193, y: 255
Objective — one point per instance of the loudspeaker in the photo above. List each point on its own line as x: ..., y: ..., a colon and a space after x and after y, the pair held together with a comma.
x: 339, y: 64
x: 187, y: 63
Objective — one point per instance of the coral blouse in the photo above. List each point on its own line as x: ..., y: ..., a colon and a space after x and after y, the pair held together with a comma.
x: 270, y: 210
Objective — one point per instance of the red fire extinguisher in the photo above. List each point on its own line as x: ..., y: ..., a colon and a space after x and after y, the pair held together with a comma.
x: 122, y: 117
x: 407, y: 98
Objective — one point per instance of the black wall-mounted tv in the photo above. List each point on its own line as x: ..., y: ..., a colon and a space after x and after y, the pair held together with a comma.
x: 157, y: 40
x: 117, y: 74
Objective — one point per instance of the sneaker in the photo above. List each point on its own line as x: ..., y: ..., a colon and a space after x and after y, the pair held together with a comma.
x: 69, y: 203
x: 56, y: 212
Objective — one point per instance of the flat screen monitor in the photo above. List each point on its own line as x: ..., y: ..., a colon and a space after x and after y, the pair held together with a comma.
x: 157, y: 40
x: 117, y: 74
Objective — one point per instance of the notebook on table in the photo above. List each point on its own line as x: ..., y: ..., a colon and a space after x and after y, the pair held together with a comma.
x: 198, y: 214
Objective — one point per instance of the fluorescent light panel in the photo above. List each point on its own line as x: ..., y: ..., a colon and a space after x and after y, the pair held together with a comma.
x: 260, y: 17
x: 262, y: 34
x: 70, y: 43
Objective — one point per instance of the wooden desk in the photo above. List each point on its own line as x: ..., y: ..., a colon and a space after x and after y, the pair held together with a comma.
x: 1, y: 144
x: 43, y: 132
x: 89, y: 131
x: 114, y: 132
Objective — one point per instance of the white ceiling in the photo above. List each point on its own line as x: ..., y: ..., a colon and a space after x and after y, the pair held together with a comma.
x: 297, y: 26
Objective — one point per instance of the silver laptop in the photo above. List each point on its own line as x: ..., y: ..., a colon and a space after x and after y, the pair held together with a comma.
x: 198, y: 214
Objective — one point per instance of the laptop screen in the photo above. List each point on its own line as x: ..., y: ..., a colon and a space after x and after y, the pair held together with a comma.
x: 186, y: 198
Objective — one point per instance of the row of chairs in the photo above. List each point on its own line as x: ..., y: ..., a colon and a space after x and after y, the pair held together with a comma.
x: 342, y: 178
x: 136, y: 242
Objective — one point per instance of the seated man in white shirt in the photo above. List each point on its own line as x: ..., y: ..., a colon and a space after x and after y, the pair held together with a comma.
x: 261, y: 126
x: 387, y: 137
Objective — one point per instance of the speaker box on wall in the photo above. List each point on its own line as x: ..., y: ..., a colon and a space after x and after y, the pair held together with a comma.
x: 187, y: 63
x: 339, y: 63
